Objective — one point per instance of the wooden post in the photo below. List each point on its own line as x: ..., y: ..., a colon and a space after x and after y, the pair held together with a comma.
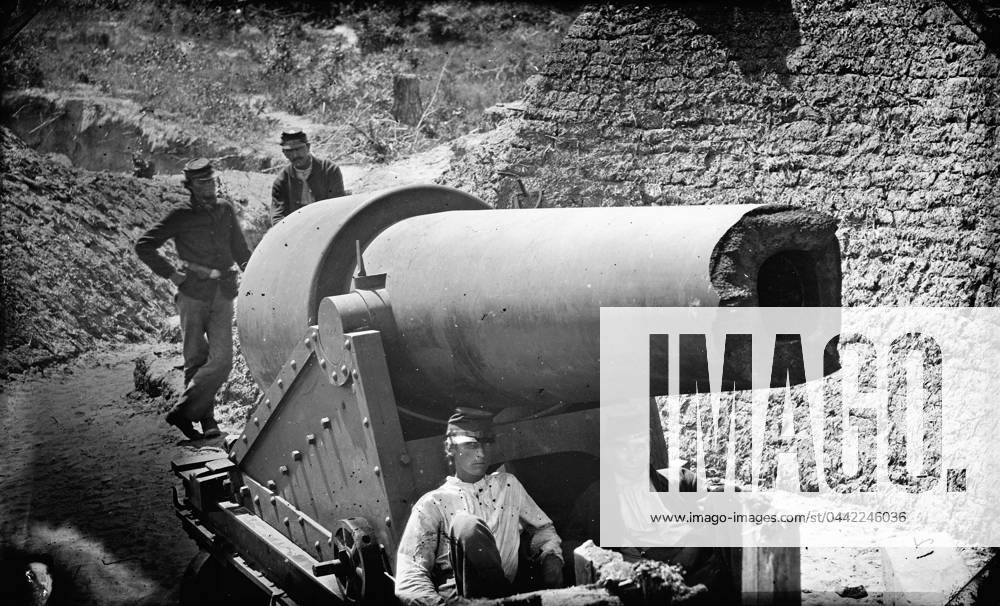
x: 768, y: 576
x: 406, y: 106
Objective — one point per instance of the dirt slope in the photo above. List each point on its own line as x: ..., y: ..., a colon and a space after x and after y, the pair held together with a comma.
x: 69, y: 275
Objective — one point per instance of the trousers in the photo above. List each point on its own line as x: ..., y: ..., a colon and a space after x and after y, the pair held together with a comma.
x: 475, y: 559
x: 207, y: 330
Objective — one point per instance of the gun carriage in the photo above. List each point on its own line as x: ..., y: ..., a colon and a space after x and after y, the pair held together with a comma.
x: 367, y: 319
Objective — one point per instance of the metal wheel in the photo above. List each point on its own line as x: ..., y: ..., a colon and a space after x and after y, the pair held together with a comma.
x: 362, y: 569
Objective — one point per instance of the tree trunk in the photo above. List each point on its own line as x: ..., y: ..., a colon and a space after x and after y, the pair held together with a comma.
x: 406, y: 106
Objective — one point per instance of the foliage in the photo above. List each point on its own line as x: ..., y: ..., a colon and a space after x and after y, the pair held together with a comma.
x: 19, y: 65
x: 224, y: 64
x: 462, y: 63
x: 380, y: 27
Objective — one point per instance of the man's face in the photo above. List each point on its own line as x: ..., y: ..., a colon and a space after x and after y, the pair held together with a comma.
x: 203, y: 191
x: 631, y: 459
x: 299, y: 156
x: 471, y: 461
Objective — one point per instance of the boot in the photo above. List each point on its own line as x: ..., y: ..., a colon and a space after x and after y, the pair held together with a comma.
x: 210, y: 427
x: 175, y: 418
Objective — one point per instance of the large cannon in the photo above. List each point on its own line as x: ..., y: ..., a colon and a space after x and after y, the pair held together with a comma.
x: 366, y: 319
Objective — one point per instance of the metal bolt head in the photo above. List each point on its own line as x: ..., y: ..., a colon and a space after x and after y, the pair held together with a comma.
x: 343, y: 369
x: 267, y: 402
x: 311, y: 438
x: 378, y: 471
x: 283, y: 469
x: 244, y: 491
x: 271, y: 485
x: 281, y: 383
x: 256, y: 421
x: 355, y: 374
x: 366, y: 422
x: 317, y: 546
x: 325, y: 421
x: 347, y: 344
x: 256, y: 499
x: 272, y: 500
x: 322, y: 363
x: 388, y: 521
x: 286, y: 521
x: 296, y: 455
x: 244, y: 438
x: 293, y: 364
x: 309, y: 342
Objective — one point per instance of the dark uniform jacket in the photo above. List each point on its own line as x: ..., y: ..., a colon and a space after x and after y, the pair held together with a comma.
x: 210, y: 238
x: 325, y: 181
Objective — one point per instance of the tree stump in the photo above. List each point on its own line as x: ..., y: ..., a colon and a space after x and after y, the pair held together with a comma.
x: 406, y: 106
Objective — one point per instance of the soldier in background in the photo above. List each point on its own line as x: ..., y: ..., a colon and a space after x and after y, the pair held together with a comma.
x: 305, y: 180
x: 210, y: 243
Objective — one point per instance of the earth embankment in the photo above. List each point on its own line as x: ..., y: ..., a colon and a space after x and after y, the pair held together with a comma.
x: 101, y: 133
x: 70, y: 276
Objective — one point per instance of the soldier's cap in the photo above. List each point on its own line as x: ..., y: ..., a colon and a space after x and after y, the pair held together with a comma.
x: 470, y: 425
x: 290, y: 139
x: 199, y: 170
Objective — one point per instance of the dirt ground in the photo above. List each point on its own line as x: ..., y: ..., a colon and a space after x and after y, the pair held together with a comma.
x: 87, y: 480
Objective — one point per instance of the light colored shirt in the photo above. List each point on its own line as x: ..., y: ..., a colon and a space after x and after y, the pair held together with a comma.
x: 500, y: 500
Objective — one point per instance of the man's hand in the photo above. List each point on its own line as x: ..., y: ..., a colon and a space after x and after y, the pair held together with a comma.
x: 552, y: 571
x: 178, y: 277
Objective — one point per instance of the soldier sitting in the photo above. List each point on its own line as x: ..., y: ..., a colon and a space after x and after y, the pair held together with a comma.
x: 463, y: 538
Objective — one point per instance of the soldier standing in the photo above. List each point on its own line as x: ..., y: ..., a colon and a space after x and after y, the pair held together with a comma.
x: 209, y: 242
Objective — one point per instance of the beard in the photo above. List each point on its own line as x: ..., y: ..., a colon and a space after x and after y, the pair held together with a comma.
x: 205, y: 202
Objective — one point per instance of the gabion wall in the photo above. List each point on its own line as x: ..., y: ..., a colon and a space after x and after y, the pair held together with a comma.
x: 883, y: 113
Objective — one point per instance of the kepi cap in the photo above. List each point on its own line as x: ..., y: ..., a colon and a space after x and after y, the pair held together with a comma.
x: 199, y: 169
x: 470, y: 425
x: 290, y: 139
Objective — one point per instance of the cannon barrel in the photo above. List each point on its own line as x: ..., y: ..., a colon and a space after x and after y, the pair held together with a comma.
x: 499, y: 308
